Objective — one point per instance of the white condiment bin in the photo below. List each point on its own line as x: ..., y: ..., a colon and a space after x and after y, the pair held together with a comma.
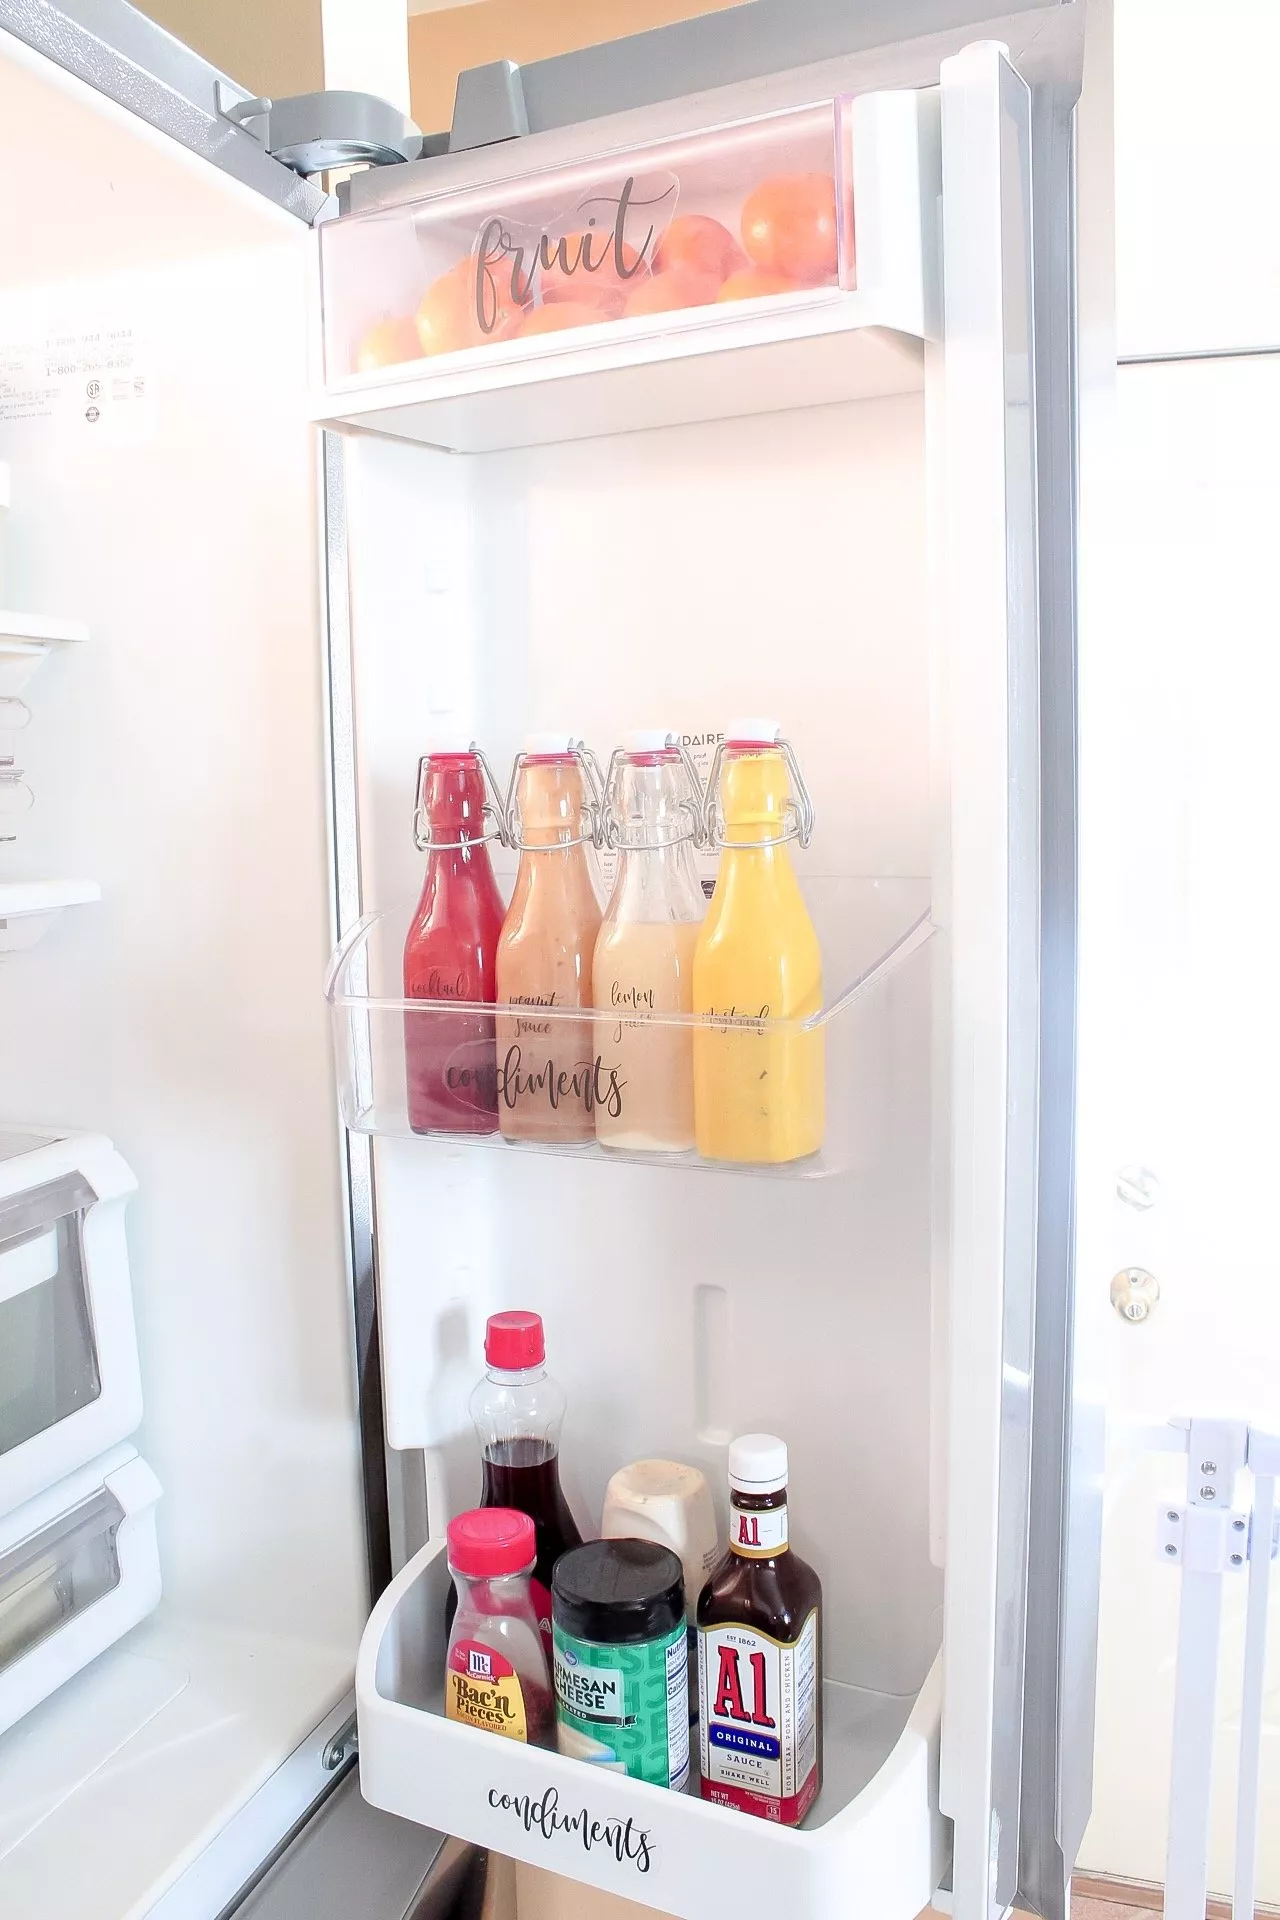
x: 69, y: 1379
x: 78, y: 1568
x: 875, y: 1842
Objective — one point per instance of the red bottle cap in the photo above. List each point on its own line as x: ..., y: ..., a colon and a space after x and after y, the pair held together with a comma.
x: 513, y: 1341
x: 490, y: 1541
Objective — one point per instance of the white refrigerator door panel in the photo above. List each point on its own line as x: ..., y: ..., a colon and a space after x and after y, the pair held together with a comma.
x: 518, y: 617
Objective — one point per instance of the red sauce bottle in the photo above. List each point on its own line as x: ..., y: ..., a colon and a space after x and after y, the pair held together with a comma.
x: 518, y: 1411
x: 760, y: 1651
x: 449, y: 955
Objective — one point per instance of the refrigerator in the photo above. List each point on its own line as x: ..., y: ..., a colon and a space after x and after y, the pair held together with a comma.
x: 291, y: 561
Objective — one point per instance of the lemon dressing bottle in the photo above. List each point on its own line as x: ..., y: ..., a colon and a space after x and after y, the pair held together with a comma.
x: 758, y: 1067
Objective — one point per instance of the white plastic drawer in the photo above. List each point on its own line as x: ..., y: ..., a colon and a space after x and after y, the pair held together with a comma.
x: 69, y: 1381
x: 78, y: 1567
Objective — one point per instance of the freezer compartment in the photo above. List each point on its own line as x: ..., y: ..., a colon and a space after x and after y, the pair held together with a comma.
x: 874, y: 1843
x: 69, y: 1382
x: 78, y: 1568
x: 402, y: 1063
x: 735, y: 249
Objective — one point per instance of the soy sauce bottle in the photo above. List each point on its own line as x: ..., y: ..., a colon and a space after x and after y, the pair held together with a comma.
x: 518, y: 1411
x: 760, y: 1651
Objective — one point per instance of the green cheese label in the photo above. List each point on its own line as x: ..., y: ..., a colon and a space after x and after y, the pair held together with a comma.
x: 625, y: 1708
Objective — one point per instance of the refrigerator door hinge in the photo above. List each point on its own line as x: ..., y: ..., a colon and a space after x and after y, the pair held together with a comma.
x: 341, y: 1746
x: 314, y: 132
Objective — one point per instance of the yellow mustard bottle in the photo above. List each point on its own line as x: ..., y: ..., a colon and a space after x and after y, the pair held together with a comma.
x: 758, y: 1071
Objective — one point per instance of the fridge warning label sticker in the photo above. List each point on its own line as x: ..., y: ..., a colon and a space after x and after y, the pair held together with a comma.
x: 88, y: 381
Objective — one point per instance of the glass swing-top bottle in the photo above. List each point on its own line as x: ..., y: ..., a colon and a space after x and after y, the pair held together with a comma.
x: 643, y: 965
x: 758, y: 1065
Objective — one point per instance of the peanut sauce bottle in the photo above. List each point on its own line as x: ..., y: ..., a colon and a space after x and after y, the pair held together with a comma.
x: 760, y: 1651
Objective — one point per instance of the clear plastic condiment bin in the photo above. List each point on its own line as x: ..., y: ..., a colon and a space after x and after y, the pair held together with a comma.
x: 874, y: 936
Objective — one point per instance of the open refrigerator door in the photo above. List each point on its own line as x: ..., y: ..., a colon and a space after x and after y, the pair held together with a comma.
x: 567, y: 487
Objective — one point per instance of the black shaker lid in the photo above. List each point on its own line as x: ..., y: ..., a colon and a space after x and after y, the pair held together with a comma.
x: 617, y: 1591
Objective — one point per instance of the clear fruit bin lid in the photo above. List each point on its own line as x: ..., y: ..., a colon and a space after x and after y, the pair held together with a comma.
x: 762, y: 208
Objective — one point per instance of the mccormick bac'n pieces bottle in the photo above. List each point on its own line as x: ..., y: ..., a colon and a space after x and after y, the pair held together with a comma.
x: 450, y: 954
x: 546, y: 1065
x: 760, y: 1651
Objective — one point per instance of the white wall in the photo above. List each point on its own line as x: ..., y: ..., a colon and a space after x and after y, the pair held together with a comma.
x: 1180, y: 1038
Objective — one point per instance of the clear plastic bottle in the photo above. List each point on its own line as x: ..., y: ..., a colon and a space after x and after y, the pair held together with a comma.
x: 518, y: 1411
x: 497, y: 1677
x: 758, y: 1065
x: 643, y: 964
x: 546, y: 1064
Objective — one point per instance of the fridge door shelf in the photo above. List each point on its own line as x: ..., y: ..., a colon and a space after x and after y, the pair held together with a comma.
x: 614, y: 293
x: 874, y: 1842
x: 25, y: 639
x: 28, y: 908
x: 78, y: 1568
x: 400, y: 1060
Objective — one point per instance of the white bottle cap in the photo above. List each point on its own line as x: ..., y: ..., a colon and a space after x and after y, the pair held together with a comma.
x: 753, y: 731
x: 665, y: 1501
x: 541, y: 744
x: 648, y: 740
x: 757, y: 1463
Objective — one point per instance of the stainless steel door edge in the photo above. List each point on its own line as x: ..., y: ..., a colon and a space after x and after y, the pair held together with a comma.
x: 351, y: 1860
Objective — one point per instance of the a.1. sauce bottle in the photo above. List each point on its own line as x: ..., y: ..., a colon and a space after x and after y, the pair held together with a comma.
x: 760, y: 1651
x: 450, y: 954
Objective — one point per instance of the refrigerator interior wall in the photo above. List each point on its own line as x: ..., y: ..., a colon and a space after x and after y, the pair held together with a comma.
x: 178, y: 756
x: 671, y: 577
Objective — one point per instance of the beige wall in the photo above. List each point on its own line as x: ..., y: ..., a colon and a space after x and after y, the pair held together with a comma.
x: 442, y: 44
x: 272, y: 46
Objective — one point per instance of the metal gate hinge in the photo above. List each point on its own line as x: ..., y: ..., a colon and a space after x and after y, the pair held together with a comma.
x: 1204, y: 1539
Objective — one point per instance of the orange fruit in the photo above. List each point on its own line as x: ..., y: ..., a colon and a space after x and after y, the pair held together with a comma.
x: 789, y: 226
x: 753, y: 282
x: 561, y: 314
x: 678, y: 287
x: 583, y: 268
x: 695, y: 243
x: 448, y: 315
x: 388, y: 343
